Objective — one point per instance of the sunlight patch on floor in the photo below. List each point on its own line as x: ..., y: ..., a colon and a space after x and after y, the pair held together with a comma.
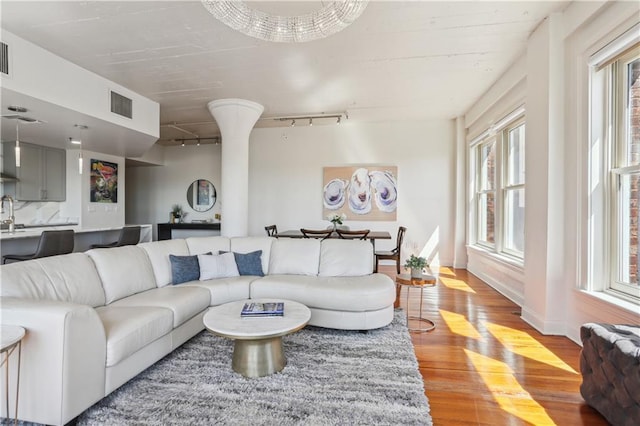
x: 508, y: 393
x: 458, y: 324
x: 523, y: 344
x: 454, y: 284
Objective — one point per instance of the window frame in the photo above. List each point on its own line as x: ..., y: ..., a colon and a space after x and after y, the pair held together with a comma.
x: 608, y: 127
x: 618, y: 168
x: 499, y: 135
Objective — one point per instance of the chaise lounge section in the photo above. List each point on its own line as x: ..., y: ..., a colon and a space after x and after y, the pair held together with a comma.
x: 95, y: 320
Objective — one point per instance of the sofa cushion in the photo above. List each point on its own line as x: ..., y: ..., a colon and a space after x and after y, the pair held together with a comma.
x: 201, y: 245
x: 66, y: 278
x: 129, y: 329
x: 158, y: 253
x: 184, y: 302
x: 223, y: 290
x: 294, y: 256
x: 249, y: 263
x: 184, y: 268
x: 123, y: 271
x: 352, y: 294
x: 251, y: 244
x: 217, y: 266
x: 345, y: 258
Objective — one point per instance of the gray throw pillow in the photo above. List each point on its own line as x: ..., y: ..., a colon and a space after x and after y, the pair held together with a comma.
x: 249, y: 263
x: 184, y: 268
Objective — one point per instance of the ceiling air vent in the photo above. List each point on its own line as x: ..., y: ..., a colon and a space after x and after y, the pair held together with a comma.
x: 4, y: 58
x: 121, y: 105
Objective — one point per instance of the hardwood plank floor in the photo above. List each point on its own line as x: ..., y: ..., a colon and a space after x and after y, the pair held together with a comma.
x: 483, y: 365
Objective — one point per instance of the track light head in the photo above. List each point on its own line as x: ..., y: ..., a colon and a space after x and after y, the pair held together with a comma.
x: 310, y: 122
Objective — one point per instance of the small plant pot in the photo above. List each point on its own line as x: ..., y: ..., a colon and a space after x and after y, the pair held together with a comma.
x: 416, y: 272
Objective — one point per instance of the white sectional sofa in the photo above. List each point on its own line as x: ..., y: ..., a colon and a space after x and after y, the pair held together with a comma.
x: 95, y: 320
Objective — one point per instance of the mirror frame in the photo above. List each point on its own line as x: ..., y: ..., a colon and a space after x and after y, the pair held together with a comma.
x: 201, y: 195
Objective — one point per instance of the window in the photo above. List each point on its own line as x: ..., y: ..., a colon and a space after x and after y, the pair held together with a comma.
x: 622, y: 75
x: 498, y: 161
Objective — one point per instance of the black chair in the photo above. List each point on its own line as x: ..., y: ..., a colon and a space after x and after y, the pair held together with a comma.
x: 272, y: 230
x: 394, y: 254
x: 129, y: 235
x: 51, y: 243
x: 353, y: 235
x: 322, y: 234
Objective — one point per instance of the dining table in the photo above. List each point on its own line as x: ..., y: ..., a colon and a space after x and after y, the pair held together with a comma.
x: 371, y: 236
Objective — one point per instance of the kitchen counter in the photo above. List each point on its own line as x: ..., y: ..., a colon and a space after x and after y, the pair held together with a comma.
x: 35, y: 230
x: 25, y: 240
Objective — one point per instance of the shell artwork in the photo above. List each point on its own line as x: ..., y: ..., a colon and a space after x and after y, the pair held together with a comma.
x: 334, y: 194
x: 386, y: 194
x: 360, y: 192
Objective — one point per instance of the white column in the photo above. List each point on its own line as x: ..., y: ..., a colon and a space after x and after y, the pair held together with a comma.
x: 460, y: 235
x: 235, y: 118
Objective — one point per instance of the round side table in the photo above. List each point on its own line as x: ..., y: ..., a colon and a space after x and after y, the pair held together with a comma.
x: 11, y: 338
x: 405, y: 280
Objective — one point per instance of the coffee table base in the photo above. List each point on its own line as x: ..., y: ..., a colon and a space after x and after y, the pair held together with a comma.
x: 257, y: 358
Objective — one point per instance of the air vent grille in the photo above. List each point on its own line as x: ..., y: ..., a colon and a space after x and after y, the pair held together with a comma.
x: 121, y: 105
x: 4, y: 58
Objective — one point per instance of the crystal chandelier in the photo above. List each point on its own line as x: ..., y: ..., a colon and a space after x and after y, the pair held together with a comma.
x: 326, y: 21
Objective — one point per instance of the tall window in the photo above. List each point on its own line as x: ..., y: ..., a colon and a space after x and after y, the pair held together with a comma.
x: 623, y: 78
x: 499, y: 187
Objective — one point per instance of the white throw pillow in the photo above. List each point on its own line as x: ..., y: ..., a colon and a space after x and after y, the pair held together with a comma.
x: 221, y: 266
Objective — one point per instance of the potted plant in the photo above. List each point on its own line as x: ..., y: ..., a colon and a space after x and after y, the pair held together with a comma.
x: 416, y: 264
x: 177, y: 215
x: 336, y: 219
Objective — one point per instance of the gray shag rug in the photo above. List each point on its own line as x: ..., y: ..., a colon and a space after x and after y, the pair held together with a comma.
x: 332, y: 377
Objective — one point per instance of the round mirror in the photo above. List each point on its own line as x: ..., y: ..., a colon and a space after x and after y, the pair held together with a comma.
x: 201, y: 195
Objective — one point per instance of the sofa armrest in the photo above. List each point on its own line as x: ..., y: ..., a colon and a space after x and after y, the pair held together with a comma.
x: 63, y: 358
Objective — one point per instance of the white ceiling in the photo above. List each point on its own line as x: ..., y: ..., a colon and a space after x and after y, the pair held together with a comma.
x: 399, y: 60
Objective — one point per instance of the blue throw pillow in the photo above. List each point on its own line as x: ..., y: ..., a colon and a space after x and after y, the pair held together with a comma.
x: 184, y: 268
x: 249, y: 263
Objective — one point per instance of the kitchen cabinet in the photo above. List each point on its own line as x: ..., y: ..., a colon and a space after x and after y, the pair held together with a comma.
x: 41, y: 175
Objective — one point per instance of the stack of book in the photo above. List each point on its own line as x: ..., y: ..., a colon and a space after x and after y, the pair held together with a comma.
x: 258, y: 309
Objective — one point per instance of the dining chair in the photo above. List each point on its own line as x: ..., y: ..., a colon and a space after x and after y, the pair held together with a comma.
x: 394, y: 254
x: 316, y: 233
x: 129, y: 235
x: 51, y: 243
x: 360, y: 234
x: 272, y: 230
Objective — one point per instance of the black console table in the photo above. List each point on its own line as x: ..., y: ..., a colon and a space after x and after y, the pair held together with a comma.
x: 164, y: 229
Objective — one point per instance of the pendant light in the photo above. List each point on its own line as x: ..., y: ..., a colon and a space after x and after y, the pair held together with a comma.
x: 80, y: 162
x: 17, y: 145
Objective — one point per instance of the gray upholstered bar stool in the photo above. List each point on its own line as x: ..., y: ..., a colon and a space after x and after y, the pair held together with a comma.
x: 129, y: 236
x: 51, y: 243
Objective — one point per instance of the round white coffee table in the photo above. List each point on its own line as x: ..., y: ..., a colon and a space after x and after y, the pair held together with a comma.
x: 257, y: 347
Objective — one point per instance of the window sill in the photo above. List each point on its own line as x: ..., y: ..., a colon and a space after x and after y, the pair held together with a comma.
x: 506, y: 260
x: 631, y: 310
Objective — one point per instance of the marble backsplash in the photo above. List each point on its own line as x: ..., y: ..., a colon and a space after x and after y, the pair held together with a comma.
x: 38, y: 213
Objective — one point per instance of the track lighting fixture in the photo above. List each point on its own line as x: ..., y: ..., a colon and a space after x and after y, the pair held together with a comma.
x: 311, y: 118
x: 199, y: 140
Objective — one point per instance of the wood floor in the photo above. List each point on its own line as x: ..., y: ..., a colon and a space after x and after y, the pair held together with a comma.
x: 483, y: 365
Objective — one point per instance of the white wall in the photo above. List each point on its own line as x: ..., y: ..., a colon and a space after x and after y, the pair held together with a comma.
x: 549, y: 287
x: 152, y: 190
x: 286, y: 166
x: 285, y: 179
